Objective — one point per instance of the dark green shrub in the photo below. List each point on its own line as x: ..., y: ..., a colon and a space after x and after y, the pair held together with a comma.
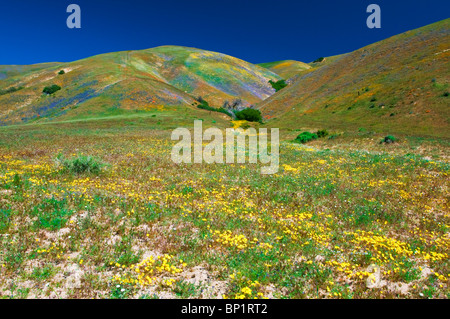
x: 204, y: 105
x: 446, y: 94
x: 11, y: 90
x: 202, y: 101
x: 319, y: 60
x: 388, y: 139
x: 321, y: 133
x: 305, y: 137
x: 332, y: 137
x: 224, y: 111
x: 251, y: 115
x: 51, y: 89
x: 61, y: 72
x: 278, y: 85
x: 245, y: 126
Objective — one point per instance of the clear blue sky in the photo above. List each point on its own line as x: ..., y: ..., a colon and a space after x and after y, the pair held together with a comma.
x: 35, y: 31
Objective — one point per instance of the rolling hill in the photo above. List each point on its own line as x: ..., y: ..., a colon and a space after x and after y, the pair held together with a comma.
x: 286, y: 68
x: 400, y: 84
x: 153, y: 79
x: 7, y: 71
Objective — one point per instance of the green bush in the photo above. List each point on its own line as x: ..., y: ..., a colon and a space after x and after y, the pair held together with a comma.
x: 81, y: 164
x: 305, y: 137
x: 332, y: 137
x: 10, y: 90
x: 61, y: 72
x: 224, y: 111
x: 51, y: 89
x: 204, y: 105
x: 281, y: 84
x: 322, y: 133
x: 251, y: 115
x: 319, y: 60
x: 388, y: 139
x: 245, y: 126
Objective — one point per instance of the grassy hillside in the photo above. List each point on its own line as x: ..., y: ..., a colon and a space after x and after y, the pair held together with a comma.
x: 155, y: 79
x: 7, y: 71
x: 319, y: 62
x: 287, y: 68
x: 400, y: 84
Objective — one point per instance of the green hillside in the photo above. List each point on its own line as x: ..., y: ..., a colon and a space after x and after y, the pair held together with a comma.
x: 7, y: 71
x: 286, y: 68
x: 400, y: 84
x: 155, y: 79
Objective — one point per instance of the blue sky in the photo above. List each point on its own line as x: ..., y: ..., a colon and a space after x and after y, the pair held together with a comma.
x: 35, y: 31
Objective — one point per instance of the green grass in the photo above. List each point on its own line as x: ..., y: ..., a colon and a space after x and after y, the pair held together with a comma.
x: 343, y: 200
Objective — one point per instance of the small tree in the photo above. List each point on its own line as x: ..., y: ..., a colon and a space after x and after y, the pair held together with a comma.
x: 61, y: 72
x: 305, y: 137
x: 321, y: 133
x: 281, y: 84
x: 250, y: 115
x: 319, y: 60
x: 388, y: 139
x: 51, y: 89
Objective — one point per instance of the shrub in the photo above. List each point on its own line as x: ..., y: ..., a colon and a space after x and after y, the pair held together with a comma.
x: 319, y: 60
x: 51, y: 89
x: 388, y: 139
x: 81, y: 164
x: 61, y: 72
x: 446, y: 94
x: 321, y: 133
x: 202, y: 101
x: 332, y: 137
x: 204, y: 105
x: 11, y: 90
x: 224, y: 111
x: 245, y: 126
x: 251, y: 115
x: 305, y: 137
x: 281, y: 84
